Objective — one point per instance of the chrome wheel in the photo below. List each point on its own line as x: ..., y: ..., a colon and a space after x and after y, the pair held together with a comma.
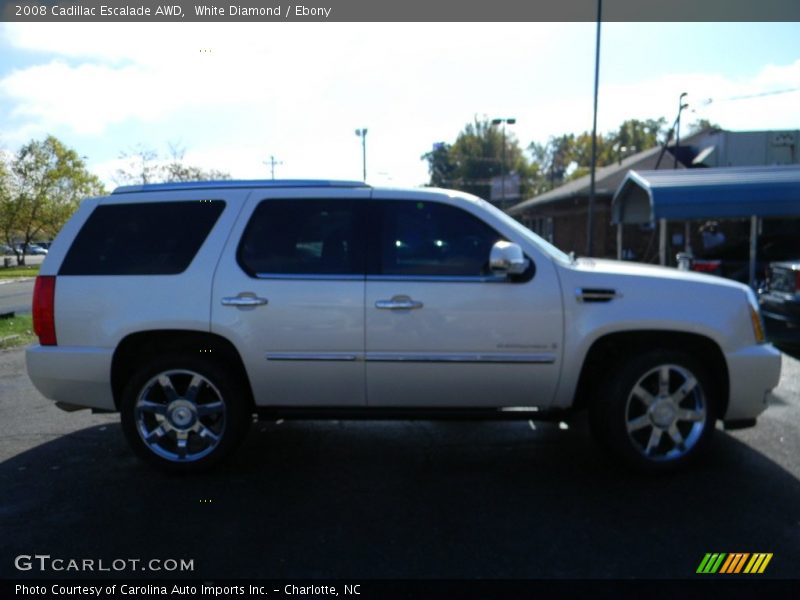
x: 180, y: 415
x: 666, y: 413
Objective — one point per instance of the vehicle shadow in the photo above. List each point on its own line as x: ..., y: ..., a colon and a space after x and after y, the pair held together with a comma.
x: 423, y: 499
x: 793, y: 351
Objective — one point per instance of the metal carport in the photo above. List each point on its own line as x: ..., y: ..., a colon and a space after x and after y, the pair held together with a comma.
x: 720, y: 193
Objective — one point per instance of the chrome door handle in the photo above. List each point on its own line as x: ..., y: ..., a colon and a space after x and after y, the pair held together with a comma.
x: 244, y: 301
x: 398, y: 303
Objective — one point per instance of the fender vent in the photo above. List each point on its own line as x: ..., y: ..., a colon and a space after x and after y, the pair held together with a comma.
x: 596, y: 294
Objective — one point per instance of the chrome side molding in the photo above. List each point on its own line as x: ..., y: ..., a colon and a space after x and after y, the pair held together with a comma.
x: 313, y: 356
x: 417, y: 357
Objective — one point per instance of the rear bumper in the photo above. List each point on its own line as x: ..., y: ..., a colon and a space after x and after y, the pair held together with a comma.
x: 753, y: 371
x: 72, y: 375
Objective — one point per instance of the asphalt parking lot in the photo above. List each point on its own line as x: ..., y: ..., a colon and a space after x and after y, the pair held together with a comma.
x: 396, y: 499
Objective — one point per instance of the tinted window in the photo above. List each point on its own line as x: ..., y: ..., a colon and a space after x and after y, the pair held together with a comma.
x: 426, y: 238
x: 302, y: 237
x: 153, y: 238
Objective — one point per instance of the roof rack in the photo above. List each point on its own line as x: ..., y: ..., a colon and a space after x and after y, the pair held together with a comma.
x: 236, y: 183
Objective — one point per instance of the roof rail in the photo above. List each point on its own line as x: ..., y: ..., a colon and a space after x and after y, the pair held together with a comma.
x: 223, y: 184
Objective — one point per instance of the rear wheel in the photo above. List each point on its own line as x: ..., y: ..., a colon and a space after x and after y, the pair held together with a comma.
x: 184, y: 413
x: 656, y: 411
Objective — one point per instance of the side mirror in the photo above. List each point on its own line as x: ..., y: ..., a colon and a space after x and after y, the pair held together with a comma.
x: 507, y: 258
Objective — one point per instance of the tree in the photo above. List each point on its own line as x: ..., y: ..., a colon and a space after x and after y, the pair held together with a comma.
x: 144, y: 165
x: 554, y: 159
x: 701, y: 125
x: 41, y: 188
x: 176, y: 170
x: 569, y: 156
x: 141, y: 167
x: 636, y: 135
x: 440, y: 166
x: 475, y: 158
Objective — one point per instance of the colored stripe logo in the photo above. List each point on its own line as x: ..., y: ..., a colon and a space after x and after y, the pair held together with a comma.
x: 734, y: 563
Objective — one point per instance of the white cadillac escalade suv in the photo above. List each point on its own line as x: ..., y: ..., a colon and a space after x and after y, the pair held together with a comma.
x: 191, y: 307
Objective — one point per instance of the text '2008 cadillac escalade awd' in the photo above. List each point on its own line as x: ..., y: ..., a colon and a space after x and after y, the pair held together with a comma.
x: 191, y: 307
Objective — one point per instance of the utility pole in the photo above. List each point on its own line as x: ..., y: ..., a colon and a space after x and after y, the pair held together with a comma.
x: 272, y: 162
x: 510, y: 121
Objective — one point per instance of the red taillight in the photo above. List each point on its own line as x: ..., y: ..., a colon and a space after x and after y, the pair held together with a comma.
x: 705, y: 266
x: 44, y: 308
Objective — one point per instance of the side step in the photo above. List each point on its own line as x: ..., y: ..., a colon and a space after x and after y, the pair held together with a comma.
x: 348, y: 413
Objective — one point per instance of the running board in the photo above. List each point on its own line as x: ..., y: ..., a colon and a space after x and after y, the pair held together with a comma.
x: 348, y: 413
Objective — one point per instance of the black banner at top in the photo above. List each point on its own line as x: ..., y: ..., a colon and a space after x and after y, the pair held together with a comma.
x: 397, y: 10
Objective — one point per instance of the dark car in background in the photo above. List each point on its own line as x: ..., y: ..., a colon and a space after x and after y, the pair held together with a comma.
x: 732, y: 259
x: 780, y: 303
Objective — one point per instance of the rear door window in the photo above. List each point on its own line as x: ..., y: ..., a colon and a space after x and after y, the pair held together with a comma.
x: 303, y: 237
x: 148, y: 238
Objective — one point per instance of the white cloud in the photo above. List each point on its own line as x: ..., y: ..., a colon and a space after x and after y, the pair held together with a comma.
x: 658, y: 96
x: 105, y: 74
x: 236, y: 93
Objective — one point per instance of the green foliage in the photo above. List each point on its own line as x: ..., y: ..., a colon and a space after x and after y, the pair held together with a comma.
x: 19, y: 272
x: 16, y: 331
x: 40, y: 187
x: 702, y: 124
x: 476, y: 156
x: 640, y: 135
x: 567, y: 157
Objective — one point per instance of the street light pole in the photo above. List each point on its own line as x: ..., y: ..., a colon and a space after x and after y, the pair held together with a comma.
x: 510, y: 121
x: 681, y: 106
x: 362, y: 133
x: 593, y: 168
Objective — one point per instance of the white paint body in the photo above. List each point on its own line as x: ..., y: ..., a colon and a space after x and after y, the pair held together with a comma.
x: 322, y: 341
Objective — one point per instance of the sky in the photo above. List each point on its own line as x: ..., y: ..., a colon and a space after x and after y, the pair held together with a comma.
x: 234, y: 94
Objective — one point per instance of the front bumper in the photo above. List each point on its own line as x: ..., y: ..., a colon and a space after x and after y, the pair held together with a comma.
x: 77, y: 376
x: 753, y: 372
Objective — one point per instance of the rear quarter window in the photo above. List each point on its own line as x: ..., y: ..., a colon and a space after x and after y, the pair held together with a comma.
x: 152, y: 238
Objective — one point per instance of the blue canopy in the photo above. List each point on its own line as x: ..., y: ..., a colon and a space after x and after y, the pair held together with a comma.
x: 720, y: 193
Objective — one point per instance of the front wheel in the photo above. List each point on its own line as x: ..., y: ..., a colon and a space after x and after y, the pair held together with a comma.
x: 656, y: 411
x: 183, y: 413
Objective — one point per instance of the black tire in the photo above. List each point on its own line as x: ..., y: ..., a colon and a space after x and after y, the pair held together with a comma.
x: 192, y: 411
x: 651, y: 427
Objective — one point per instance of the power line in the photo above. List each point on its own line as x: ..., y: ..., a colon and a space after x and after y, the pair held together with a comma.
x: 775, y: 93
x: 749, y: 96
